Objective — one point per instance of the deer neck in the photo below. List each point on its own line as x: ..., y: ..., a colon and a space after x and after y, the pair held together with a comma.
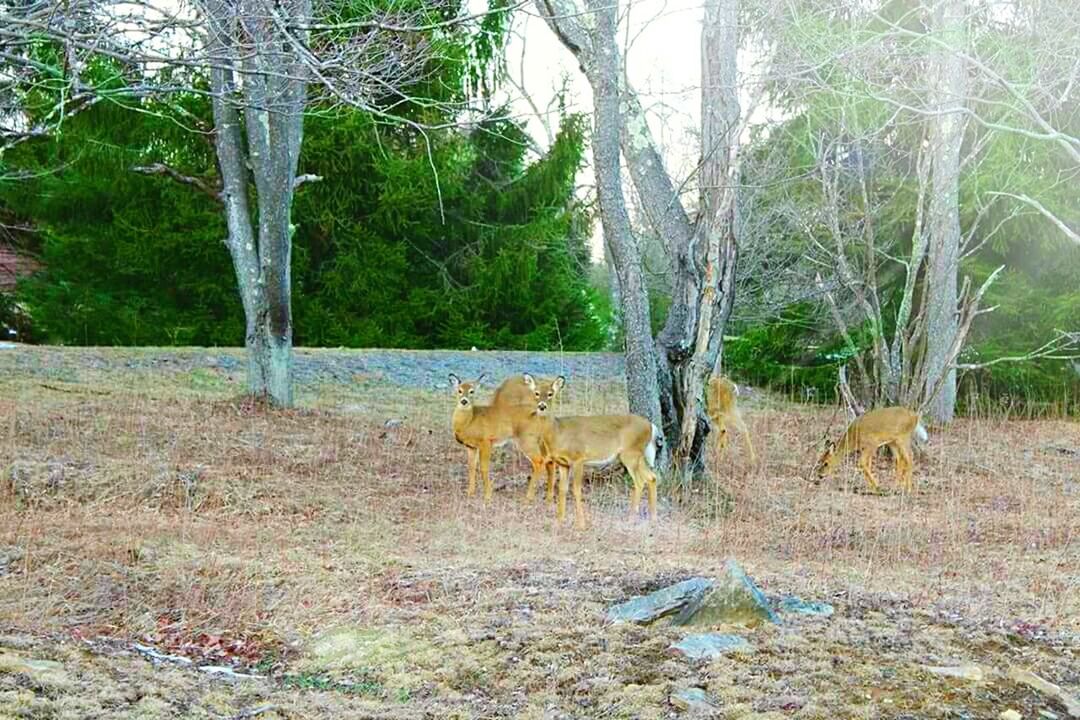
x: 461, y: 418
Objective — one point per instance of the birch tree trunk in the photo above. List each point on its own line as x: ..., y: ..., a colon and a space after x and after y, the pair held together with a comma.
x: 258, y: 129
x: 948, y: 87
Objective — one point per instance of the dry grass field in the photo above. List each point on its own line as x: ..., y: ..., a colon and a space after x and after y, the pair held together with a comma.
x: 333, y: 554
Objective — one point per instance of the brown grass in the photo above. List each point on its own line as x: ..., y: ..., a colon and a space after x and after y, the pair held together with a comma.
x: 152, y: 506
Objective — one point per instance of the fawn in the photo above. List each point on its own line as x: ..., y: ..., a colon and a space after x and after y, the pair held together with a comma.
x: 720, y: 397
x: 597, y: 440
x: 892, y: 426
x: 481, y: 427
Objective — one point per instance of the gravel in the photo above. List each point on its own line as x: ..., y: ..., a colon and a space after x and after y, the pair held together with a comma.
x: 423, y: 369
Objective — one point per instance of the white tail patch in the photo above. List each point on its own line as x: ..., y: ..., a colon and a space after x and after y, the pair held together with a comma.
x: 654, y: 442
x: 921, y: 434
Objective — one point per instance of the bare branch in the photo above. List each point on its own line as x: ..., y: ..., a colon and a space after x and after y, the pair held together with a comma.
x: 210, y: 189
x: 1068, y: 231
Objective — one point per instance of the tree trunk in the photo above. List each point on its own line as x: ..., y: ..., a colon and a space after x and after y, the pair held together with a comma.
x: 948, y: 85
x: 272, y: 103
x: 704, y: 267
x: 641, y: 378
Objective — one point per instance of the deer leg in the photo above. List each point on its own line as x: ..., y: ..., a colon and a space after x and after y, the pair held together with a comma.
x: 579, y: 506
x: 904, y: 460
x: 740, y: 424
x: 631, y: 463
x: 550, y: 497
x: 649, y: 477
x: 866, y: 464
x: 530, y: 490
x: 564, y: 485
x: 472, y: 471
x: 485, y: 462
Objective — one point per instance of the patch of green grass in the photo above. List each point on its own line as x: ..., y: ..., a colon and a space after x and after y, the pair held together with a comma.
x: 362, y: 685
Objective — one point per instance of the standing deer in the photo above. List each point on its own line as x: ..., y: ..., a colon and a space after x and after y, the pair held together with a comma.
x: 597, y: 440
x: 481, y: 427
x: 720, y: 406
x: 892, y: 426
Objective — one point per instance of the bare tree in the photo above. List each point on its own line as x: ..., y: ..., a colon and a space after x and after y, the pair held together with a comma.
x: 917, y: 97
x: 265, y: 60
x: 703, y: 254
x: 948, y: 86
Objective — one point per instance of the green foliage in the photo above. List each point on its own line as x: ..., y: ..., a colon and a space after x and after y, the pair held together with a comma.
x: 785, y: 354
x: 485, y: 250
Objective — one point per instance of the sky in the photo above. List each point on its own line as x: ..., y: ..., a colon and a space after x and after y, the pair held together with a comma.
x: 663, y: 65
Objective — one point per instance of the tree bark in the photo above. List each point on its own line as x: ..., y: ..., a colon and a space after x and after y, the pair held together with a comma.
x: 268, y: 109
x: 948, y: 85
x: 703, y: 258
x: 604, y: 74
x: 704, y: 263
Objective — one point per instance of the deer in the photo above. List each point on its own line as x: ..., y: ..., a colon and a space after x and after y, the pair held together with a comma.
x: 574, y: 442
x: 892, y: 426
x: 481, y: 427
x: 721, y: 407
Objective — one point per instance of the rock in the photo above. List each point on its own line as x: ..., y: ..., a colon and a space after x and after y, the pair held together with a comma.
x: 696, y: 701
x: 711, y: 645
x: 970, y: 672
x: 733, y: 599
x: 393, y: 423
x: 46, y: 673
x: 225, y: 671
x: 794, y: 604
x: 1033, y: 681
x: 1010, y: 715
x: 645, y: 609
x: 1048, y: 715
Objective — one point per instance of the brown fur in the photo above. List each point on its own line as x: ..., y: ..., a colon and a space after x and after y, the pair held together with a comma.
x: 481, y: 427
x: 892, y: 426
x: 722, y: 409
x: 576, y: 441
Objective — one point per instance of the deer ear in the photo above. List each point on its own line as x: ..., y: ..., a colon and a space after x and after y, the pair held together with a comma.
x: 455, y: 381
x: 529, y: 381
x: 480, y: 379
x: 830, y: 446
x: 558, y: 384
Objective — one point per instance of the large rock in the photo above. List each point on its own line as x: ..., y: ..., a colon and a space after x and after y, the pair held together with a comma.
x: 696, y: 702
x: 733, y: 599
x: 711, y: 645
x: 792, y: 604
x: 645, y: 609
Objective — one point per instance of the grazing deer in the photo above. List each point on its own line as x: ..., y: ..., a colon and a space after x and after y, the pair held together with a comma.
x: 722, y: 411
x: 892, y: 426
x: 481, y: 427
x: 596, y: 440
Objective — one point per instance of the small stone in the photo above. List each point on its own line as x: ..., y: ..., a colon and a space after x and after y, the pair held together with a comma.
x: 964, y: 672
x: 1010, y: 715
x: 695, y: 700
x: 792, y: 604
x: 733, y: 599
x: 393, y: 423
x: 1048, y: 715
x: 644, y: 609
x: 711, y: 645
